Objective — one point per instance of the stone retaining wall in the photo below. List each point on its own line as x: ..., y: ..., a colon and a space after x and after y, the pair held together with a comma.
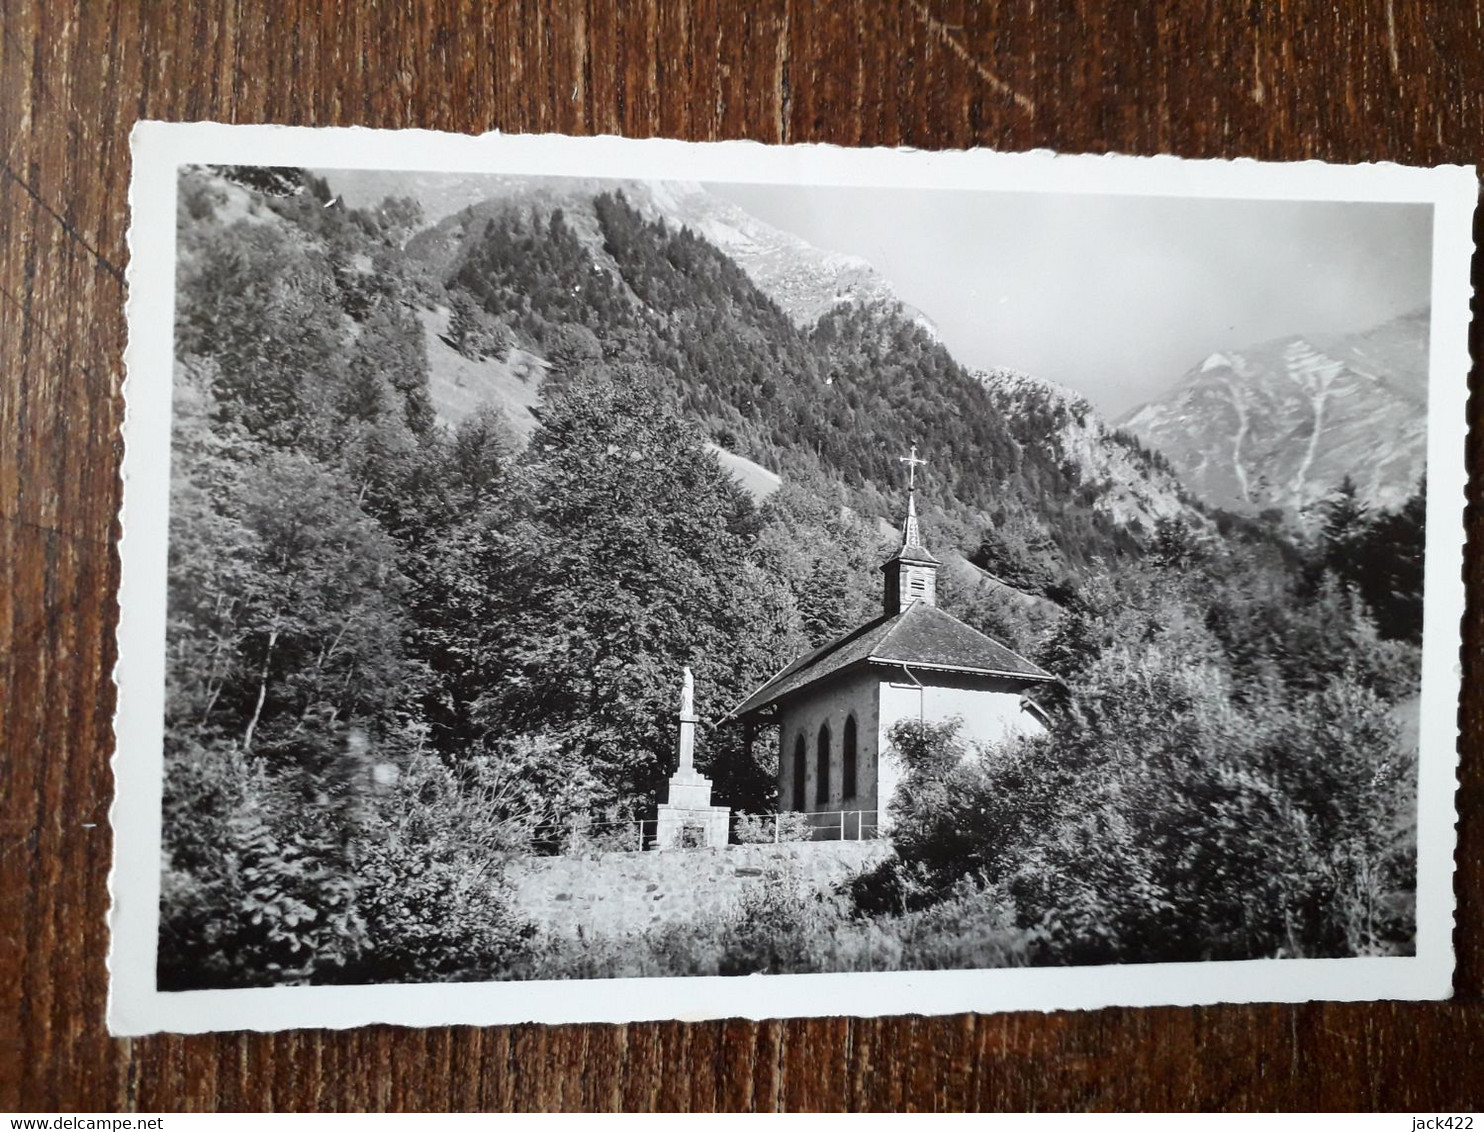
x: 624, y: 893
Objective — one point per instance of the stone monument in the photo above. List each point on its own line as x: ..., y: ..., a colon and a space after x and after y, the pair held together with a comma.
x: 688, y: 806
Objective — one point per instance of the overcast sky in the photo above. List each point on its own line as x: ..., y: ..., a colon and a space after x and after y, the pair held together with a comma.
x: 1116, y: 297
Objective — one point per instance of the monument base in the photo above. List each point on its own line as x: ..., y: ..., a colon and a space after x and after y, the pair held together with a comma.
x: 690, y: 808
x: 710, y: 825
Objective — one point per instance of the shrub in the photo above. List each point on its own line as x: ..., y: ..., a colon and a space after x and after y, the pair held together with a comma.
x: 593, y: 839
x: 428, y: 864
x: 780, y: 925
x: 764, y: 829
x: 974, y: 928
x: 1166, y: 821
x: 273, y: 876
x: 247, y: 898
x: 753, y: 829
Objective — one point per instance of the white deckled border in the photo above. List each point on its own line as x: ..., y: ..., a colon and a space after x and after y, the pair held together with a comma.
x: 136, y: 1007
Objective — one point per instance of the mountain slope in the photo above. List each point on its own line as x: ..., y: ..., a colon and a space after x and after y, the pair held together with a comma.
x: 458, y: 385
x: 1126, y: 482
x: 1282, y: 423
x: 805, y: 281
x: 599, y: 281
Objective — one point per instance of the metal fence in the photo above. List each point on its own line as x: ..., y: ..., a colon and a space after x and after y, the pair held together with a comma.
x: 567, y: 838
x: 800, y: 825
x: 845, y: 825
x: 574, y: 837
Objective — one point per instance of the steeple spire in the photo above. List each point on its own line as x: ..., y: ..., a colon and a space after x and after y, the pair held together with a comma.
x: 911, y: 534
x: 911, y: 573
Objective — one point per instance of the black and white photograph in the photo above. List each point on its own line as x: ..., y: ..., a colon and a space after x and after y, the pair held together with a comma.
x: 577, y: 575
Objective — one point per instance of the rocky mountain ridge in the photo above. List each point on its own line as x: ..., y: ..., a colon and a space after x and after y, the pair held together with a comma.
x: 1130, y: 485
x: 1282, y: 423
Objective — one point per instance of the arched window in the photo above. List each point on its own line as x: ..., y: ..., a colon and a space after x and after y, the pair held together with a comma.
x: 822, y: 767
x: 801, y: 755
x: 847, y: 760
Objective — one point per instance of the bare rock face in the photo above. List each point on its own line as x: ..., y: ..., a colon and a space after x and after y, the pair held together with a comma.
x: 1281, y: 424
x: 1123, y: 482
x: 805, y: 281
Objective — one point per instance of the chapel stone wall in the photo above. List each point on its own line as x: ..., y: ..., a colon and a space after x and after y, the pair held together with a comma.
x: 832, y: 705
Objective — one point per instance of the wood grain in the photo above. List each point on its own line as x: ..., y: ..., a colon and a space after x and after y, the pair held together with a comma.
x: 1307, y: 78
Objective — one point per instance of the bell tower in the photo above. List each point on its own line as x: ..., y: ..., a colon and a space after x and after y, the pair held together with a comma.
x: 912, y: 572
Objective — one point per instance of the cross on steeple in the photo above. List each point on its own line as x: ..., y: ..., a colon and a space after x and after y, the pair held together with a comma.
x: 913, y: 462
x: 911, y: 573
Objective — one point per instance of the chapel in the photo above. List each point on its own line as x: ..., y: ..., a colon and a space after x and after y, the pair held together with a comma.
x: 834, y: 707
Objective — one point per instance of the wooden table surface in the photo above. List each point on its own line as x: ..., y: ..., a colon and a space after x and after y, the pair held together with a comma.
x: 1354, y: 81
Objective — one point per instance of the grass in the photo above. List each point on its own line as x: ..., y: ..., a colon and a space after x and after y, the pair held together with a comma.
x: 783, y: 924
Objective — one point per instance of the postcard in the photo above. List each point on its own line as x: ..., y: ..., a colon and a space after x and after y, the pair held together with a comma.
x: 586, y: 579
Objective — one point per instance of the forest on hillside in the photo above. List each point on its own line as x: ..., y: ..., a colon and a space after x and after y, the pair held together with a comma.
x: 842, y: 398
x: 397, y: 646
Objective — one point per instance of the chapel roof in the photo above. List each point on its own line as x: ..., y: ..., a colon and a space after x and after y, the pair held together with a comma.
x: 921, y: 635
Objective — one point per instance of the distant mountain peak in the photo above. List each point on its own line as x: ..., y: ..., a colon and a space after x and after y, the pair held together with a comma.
x: 1282, y: 422
x: 806, y: 281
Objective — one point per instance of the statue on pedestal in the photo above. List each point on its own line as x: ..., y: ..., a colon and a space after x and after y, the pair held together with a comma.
x: 688, y: 803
